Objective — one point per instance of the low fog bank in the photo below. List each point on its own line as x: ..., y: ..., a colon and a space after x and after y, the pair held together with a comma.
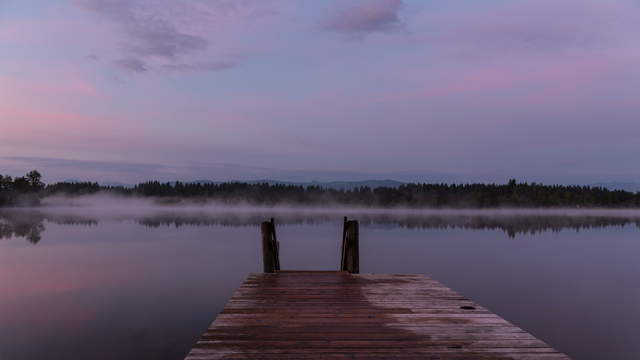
x: 113, y: 205
x: 30, y: 222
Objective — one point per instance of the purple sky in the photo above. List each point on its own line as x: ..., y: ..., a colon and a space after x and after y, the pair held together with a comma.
x: 129, y: 90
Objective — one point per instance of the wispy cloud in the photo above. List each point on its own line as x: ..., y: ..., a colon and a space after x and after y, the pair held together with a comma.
x: 210, y: 66
x: 365, y: 17
x: 131, y: 64
x: 59, y: 169
x: 161, y: 34
x: 542, y: 26
x: 148, y: 33
x: 84, y: 164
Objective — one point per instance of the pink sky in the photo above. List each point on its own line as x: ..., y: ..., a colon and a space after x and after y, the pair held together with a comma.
x: 115, y: 90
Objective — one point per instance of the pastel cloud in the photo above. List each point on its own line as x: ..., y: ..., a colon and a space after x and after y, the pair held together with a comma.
x: 365, y: 17
x: 545, y: 25
x: 132, y: 64
x: 206, y: 66
x: 526, y: 46
x: 149, y: 35
x: 184, y: 35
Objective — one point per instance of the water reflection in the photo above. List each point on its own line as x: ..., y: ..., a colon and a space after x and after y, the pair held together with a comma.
x: 29, y: 224
x: 145, y: 283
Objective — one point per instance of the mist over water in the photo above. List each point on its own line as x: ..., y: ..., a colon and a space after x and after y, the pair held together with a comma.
x: 91, y: 210
x: 104, y: 203
x: 111, y: 278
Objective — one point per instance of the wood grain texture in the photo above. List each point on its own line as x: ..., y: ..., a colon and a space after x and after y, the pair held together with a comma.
x: 337, y: 315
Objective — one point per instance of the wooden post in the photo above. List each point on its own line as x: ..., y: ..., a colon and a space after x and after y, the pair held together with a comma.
x: 350, y: 247
x: 276, y: 246
x: 344, y: 242
x: 270, y: 258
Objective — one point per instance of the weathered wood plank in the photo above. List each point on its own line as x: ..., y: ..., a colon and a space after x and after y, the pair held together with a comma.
x: 337, y: 315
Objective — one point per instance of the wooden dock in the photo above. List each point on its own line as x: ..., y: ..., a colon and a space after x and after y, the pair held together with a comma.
x: 346, y: 315
x: 339, y: 315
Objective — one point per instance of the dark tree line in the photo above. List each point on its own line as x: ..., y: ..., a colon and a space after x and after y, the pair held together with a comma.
x: 29, y: 188
x: 512, y: 194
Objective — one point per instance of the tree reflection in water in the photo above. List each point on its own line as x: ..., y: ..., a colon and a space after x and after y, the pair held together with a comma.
x: 30, y: 224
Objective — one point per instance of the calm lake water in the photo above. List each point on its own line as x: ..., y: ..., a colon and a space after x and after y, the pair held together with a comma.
x: 89, y: 284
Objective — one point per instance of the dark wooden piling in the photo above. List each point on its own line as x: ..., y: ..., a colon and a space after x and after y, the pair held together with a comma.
x: 270, y: 247
x: 350, y: 258
x: 276, y: 244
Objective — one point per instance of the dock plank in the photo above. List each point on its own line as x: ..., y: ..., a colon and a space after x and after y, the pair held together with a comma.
x: 337, y: 315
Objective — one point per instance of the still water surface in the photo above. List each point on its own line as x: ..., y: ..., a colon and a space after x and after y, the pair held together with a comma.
x: 78, y: 284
